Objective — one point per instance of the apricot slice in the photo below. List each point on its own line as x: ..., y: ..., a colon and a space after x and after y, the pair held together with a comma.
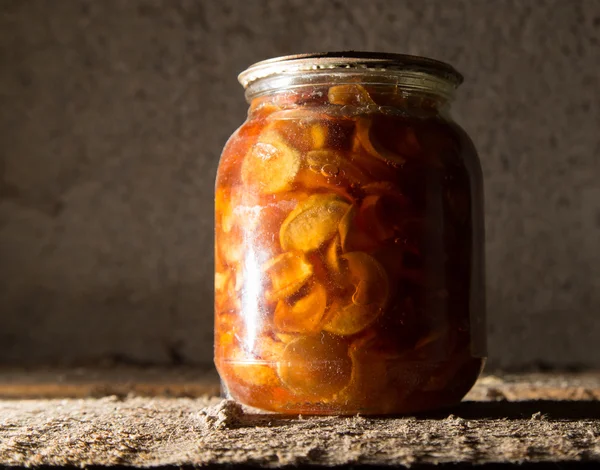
x: 223, y: 209
x: 316, y: 366
x: 363, y: 133
x: 221, y: 280
x: 256, y: 374
x: 261, y: 108
x: 369, y: 374
x: 314, y: 180
x: 381, y: 187
x: 231, y: 248
x: 226, y: 292
x: 331, y: 163
x: 302, y: 129
x: 305, y: 315
x: 317, y: 159
x: 318, y: 135
x: 373, y: 216
x: 371, y: 290
x: 250, y: 371
x: 332, y: 256
x: 285, y: 337
x: 351, y: 237
x: 350, y: 95
x: 268, y: 349
x: 312, y: 223
x: 271, y: 164
x: 288, y: 272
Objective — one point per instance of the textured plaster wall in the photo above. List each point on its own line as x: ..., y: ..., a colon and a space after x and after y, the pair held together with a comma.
x: 113, y: 114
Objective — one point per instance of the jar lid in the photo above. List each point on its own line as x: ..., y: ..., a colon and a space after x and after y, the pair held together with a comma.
x: 349, y: 60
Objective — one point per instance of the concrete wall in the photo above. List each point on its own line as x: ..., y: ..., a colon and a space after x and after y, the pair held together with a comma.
x: 113, y: 114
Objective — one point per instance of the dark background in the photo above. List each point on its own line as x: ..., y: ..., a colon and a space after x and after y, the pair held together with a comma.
x: 113, y: 115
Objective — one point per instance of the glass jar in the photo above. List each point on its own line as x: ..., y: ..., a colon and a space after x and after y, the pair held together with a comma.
x: 349, y: 239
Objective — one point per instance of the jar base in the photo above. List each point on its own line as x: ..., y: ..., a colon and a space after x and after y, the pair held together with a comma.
x: 391, y: 387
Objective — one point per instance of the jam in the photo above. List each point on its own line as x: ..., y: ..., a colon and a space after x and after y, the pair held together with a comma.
x: 348, y: 251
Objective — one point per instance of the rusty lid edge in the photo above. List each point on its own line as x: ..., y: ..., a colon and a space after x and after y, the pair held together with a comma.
x: 348, y: 60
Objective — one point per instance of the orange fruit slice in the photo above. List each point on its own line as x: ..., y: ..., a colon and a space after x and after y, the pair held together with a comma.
x: 373, y: 216
x: 250, y: 371
x: 271, y: 164
x: 302, y: 129
x: 351, y: 237
x: 312, y: 223
x: 231, y: 248
x: 315, y: 366
x: 363, y: 133
x: 369, y: 374
x: 318, y: 134
x: 370, y: 282
x: 349, y: 95
x: 305, y: 315
x: 288, y: 272
x: 223, y: 209
x: 332, y: 256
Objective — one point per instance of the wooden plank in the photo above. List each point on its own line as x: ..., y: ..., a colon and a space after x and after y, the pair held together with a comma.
x: 98, y: 382
x: 530, y: 419
x: 203, y: 380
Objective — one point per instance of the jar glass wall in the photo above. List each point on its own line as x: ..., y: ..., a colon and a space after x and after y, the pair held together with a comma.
x: 349, y: 240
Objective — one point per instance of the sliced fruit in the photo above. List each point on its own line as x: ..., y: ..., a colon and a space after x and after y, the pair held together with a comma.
x: 243, y: 368
x: 223, y: 209
x: 301, y: 129
x: 317, y: 159
x: 352, y: 238
x: 391, y: 257
x: 350, y: 95
x: 438, y: 344
x: 328, y: 170
x: 369, y: 374
x: 381, y: 187
x: 332, y: 164
x: 226, y: 293
x: 268, y: 348
x: 318, y: 132
x: 288, y: 272
x: 261, y: 108
x: 271, y: 164
x: 363, y: 133
x: 316, y: 366
x: 373, y: 216
x: 430, y: 338
x: 231, y: 248
x: 332, y: 256
x: 256, y: 374
x: 285, y: 337
x: 394, y: 204
x: 311, y: 180
x: 228, y: 328
x: 368, y: 299
x: 221, y: 280
x: 303, y: 316
x: 312, y: 223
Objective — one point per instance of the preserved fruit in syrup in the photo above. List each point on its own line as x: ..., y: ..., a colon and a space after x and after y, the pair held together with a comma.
x: 349, y: 248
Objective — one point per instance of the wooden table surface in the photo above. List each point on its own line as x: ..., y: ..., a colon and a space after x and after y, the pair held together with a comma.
x: 173, y: 418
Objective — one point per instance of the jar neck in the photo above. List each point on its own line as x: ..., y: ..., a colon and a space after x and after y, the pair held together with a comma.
x: 370, y: 89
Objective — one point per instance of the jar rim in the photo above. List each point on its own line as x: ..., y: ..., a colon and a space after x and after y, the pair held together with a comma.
x: 350, y: 61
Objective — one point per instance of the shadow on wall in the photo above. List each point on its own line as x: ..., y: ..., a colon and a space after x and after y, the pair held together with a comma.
x: 117, y: 326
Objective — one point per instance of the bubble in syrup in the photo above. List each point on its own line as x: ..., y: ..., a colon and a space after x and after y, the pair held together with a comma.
x: 329, y: 170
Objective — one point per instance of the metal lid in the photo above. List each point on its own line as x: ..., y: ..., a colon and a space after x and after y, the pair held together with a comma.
x: 349, y: 60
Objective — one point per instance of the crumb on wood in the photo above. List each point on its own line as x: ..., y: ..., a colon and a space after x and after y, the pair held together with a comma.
x: 224, y: 415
